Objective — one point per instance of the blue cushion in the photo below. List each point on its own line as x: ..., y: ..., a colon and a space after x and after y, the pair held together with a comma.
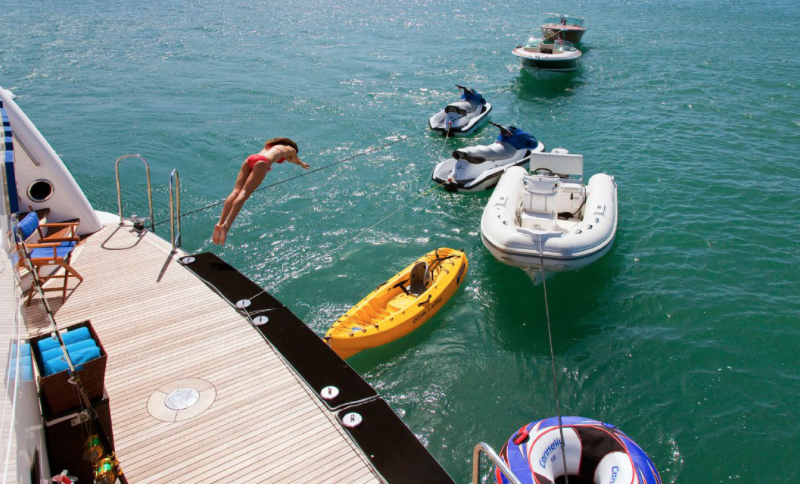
x: 62, y: 251
x: 28, y: 225
x: 78, y: 358
x: 25, y: 371
x: 71, y: 348
x: 69, y: 337
x: 24, y: 350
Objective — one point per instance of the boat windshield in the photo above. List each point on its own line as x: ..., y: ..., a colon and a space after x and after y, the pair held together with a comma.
x: 564, y: 20
x: 555, y: 45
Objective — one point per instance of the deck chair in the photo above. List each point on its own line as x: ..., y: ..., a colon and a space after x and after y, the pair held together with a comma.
x: 53, y: 248
x: 418, y: 279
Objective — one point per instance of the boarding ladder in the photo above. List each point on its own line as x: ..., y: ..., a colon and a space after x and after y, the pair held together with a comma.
x: 483, y: 447
x: 174, y: 201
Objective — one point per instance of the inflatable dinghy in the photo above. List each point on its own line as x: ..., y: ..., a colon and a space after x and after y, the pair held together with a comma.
x: 479, y: 167
x: 401, y: 304
x: 597, y: 453
x: 464, y: 117
x: 550, y: 218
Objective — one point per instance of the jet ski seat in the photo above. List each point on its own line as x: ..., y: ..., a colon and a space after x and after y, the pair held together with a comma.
x: 418, y: 279
x: 460, y: 107
x: 478, y: 154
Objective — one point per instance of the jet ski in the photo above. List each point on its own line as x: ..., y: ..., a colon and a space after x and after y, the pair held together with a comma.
x: 480, y: 167
x: 464, y: 117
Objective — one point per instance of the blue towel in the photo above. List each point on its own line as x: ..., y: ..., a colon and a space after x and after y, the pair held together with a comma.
x: 25, y: 371
x: 71, y: 348
x: 78, y: 358
x: 69, y: 337
x: 24, y: 350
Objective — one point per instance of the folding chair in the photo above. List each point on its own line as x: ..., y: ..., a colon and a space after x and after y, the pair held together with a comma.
x: 53, y: 248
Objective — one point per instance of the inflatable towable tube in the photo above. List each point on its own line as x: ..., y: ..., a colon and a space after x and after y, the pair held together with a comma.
x: 597, y: 453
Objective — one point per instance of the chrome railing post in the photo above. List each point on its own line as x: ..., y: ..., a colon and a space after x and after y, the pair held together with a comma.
x: 174, y: 187
x: 149, y: 189
x: 476, y: 463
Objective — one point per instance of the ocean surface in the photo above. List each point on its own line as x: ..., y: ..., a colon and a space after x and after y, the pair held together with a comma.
x: 686, y: 334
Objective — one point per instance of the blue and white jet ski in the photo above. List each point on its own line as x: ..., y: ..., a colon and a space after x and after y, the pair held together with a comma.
x: 480, y: 167
x: 464, y: 117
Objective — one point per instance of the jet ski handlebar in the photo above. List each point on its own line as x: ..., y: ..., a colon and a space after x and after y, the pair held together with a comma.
x: 503, y: 130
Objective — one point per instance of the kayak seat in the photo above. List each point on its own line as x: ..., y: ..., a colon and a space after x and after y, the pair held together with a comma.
x: 418, y: 279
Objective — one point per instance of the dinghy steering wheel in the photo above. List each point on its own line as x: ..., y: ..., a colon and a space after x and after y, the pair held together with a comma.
x: 543, y: 171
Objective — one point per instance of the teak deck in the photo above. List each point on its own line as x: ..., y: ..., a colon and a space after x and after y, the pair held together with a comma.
x: 159, y: 325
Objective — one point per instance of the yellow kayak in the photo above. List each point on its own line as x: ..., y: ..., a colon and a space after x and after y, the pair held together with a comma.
x: 401, y: 304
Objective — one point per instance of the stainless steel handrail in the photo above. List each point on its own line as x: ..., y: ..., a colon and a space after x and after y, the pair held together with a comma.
x: 174, y: 187
x: 476, y: 463
x: 149, y: 189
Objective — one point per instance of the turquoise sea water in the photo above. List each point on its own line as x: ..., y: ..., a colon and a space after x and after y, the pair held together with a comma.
x: 685, y: 335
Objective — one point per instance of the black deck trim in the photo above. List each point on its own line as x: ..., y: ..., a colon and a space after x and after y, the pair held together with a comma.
x: 316, y: 363
x: 391, y: 446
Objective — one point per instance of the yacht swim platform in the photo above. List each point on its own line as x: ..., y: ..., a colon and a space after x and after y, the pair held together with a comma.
x: 258, y: 414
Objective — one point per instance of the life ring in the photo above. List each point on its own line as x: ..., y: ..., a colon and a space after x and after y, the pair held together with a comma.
x: 596, y: 453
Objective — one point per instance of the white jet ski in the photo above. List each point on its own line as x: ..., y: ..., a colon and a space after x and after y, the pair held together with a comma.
x: 548, y: 218
x: 479, y: 167
x: 464, y: 117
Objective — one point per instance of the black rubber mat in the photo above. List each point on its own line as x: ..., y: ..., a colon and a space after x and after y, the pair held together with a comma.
x: 391, y: 446
x: 300, y: 346
x: 231, y: 283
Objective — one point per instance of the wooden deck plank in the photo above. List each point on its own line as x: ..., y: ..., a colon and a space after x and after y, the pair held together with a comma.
x: 159, y: 323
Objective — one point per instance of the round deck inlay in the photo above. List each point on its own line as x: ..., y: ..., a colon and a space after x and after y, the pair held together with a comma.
x: 181, y: 399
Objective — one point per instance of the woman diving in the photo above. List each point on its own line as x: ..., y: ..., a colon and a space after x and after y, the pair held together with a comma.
x: 250, y: 176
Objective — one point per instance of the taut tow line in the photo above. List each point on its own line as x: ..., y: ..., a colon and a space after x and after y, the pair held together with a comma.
x: 553, y: 361
x: 306, y: 173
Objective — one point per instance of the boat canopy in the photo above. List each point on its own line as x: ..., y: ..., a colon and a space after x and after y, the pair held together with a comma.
x: 556, y: 45
x: 518, y: 138
x: 473, y: 96
x: 564, y: 20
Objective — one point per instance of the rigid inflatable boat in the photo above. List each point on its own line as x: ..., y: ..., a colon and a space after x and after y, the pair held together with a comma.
x: 548, y: 58
x: 464, y: 117
x: 479, y: 167
x: 596, y: 453
x: 401, y: 304
x: 549, y: 217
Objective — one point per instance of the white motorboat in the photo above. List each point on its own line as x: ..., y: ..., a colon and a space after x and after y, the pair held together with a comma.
x: 548, y: 217
x: 548, y: 58
x: 563, y: 27
x: 479, y: 167
x: 463, y: 117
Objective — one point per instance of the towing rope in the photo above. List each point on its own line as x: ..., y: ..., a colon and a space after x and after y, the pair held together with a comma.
x: 553, y: 361
x: 344, y: 160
